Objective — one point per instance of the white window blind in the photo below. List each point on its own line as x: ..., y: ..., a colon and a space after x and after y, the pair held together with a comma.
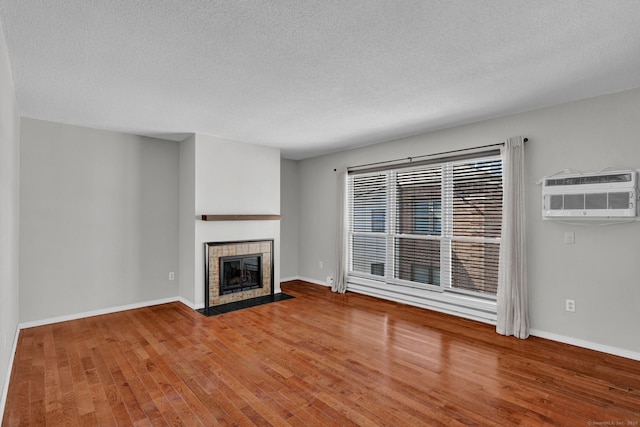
x: 435, y: 226
x: 368, y: 213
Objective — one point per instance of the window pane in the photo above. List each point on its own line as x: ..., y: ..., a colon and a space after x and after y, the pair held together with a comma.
x: 427, y: 217
x: 474, y: 266
x: 413, y: 257
x: 420, y: 273
x: 368, y: 251
x: 369, y: 203
x: 435, y: 274
x: 378, y: 218
x: 477, y: 199
x: 425, y: 274
x: 419, y: 195
x: 377, y: 269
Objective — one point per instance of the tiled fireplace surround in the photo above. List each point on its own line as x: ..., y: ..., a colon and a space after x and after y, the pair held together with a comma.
x: 215, y: 250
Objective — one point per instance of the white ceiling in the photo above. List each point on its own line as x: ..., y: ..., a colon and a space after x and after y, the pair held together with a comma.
x: 311, y: 77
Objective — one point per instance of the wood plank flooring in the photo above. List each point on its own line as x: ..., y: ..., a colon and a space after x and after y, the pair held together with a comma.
x: 321, y: 359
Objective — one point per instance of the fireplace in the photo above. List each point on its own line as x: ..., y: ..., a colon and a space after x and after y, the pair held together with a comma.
x: 240, y: 273
x: 237, y: 271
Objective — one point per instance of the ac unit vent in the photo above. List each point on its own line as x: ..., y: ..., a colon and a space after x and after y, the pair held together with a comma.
x: 590, y: 196
x: 590, y: 179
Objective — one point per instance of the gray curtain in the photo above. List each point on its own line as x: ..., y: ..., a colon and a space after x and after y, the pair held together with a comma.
x: 513, y: 309
x: 340, y: 263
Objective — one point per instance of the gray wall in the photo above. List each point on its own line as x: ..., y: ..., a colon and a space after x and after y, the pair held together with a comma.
x: 600, y: 271
x: 9, y: 214
x: 318, y: 184
x: 290, y: 211
x: 187, y: 289
x: 98, y: 220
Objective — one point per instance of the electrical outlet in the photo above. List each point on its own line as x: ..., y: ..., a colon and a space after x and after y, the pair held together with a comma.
x: 569, y: 237
x: 172, y: 275
x: 570, y: 305
x: 321, y: 265
x: 329, y: 280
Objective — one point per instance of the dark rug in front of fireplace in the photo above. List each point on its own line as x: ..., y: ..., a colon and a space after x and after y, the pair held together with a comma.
x: 239, y: 305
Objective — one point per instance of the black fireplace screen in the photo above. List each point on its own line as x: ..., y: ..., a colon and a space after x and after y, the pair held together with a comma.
x: 240, y: 273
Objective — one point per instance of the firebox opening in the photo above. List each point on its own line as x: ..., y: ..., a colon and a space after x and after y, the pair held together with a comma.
x: 240, y: 273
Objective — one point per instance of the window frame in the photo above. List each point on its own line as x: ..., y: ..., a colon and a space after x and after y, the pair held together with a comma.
x: 446, y: 236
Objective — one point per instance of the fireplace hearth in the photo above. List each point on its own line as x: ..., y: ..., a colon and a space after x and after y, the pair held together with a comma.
x: 238, y: 271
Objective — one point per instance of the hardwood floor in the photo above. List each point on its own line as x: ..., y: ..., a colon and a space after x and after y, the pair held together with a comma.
x: 319, y: 359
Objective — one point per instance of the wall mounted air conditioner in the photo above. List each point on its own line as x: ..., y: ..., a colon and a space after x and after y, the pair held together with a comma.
x: 602, y: 195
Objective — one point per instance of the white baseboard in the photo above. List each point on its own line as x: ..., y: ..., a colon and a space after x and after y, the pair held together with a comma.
x: 314, y: 281
x: 188, y: 303
x: 5, y: 386
x: 101, y: 311
x: 586, y: 344
x: 305, y: 279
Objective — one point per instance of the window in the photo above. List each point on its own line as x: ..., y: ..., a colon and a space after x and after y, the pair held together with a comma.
x: 436, y: 226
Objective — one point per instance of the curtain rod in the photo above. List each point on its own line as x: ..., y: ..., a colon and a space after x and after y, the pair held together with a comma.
x: 428, y: 155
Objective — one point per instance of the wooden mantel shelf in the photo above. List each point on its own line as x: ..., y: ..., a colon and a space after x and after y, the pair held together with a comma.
x: 249, y: 217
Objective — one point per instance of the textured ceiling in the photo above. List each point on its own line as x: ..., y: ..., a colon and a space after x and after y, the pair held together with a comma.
x: 310, y: 77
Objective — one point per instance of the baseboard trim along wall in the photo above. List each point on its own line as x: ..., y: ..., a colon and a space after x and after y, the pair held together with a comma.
x: 101, y: 311
x: 306, y: 279
x: 586, y: 344
x: 5, y: 386
x: 189, y: 303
